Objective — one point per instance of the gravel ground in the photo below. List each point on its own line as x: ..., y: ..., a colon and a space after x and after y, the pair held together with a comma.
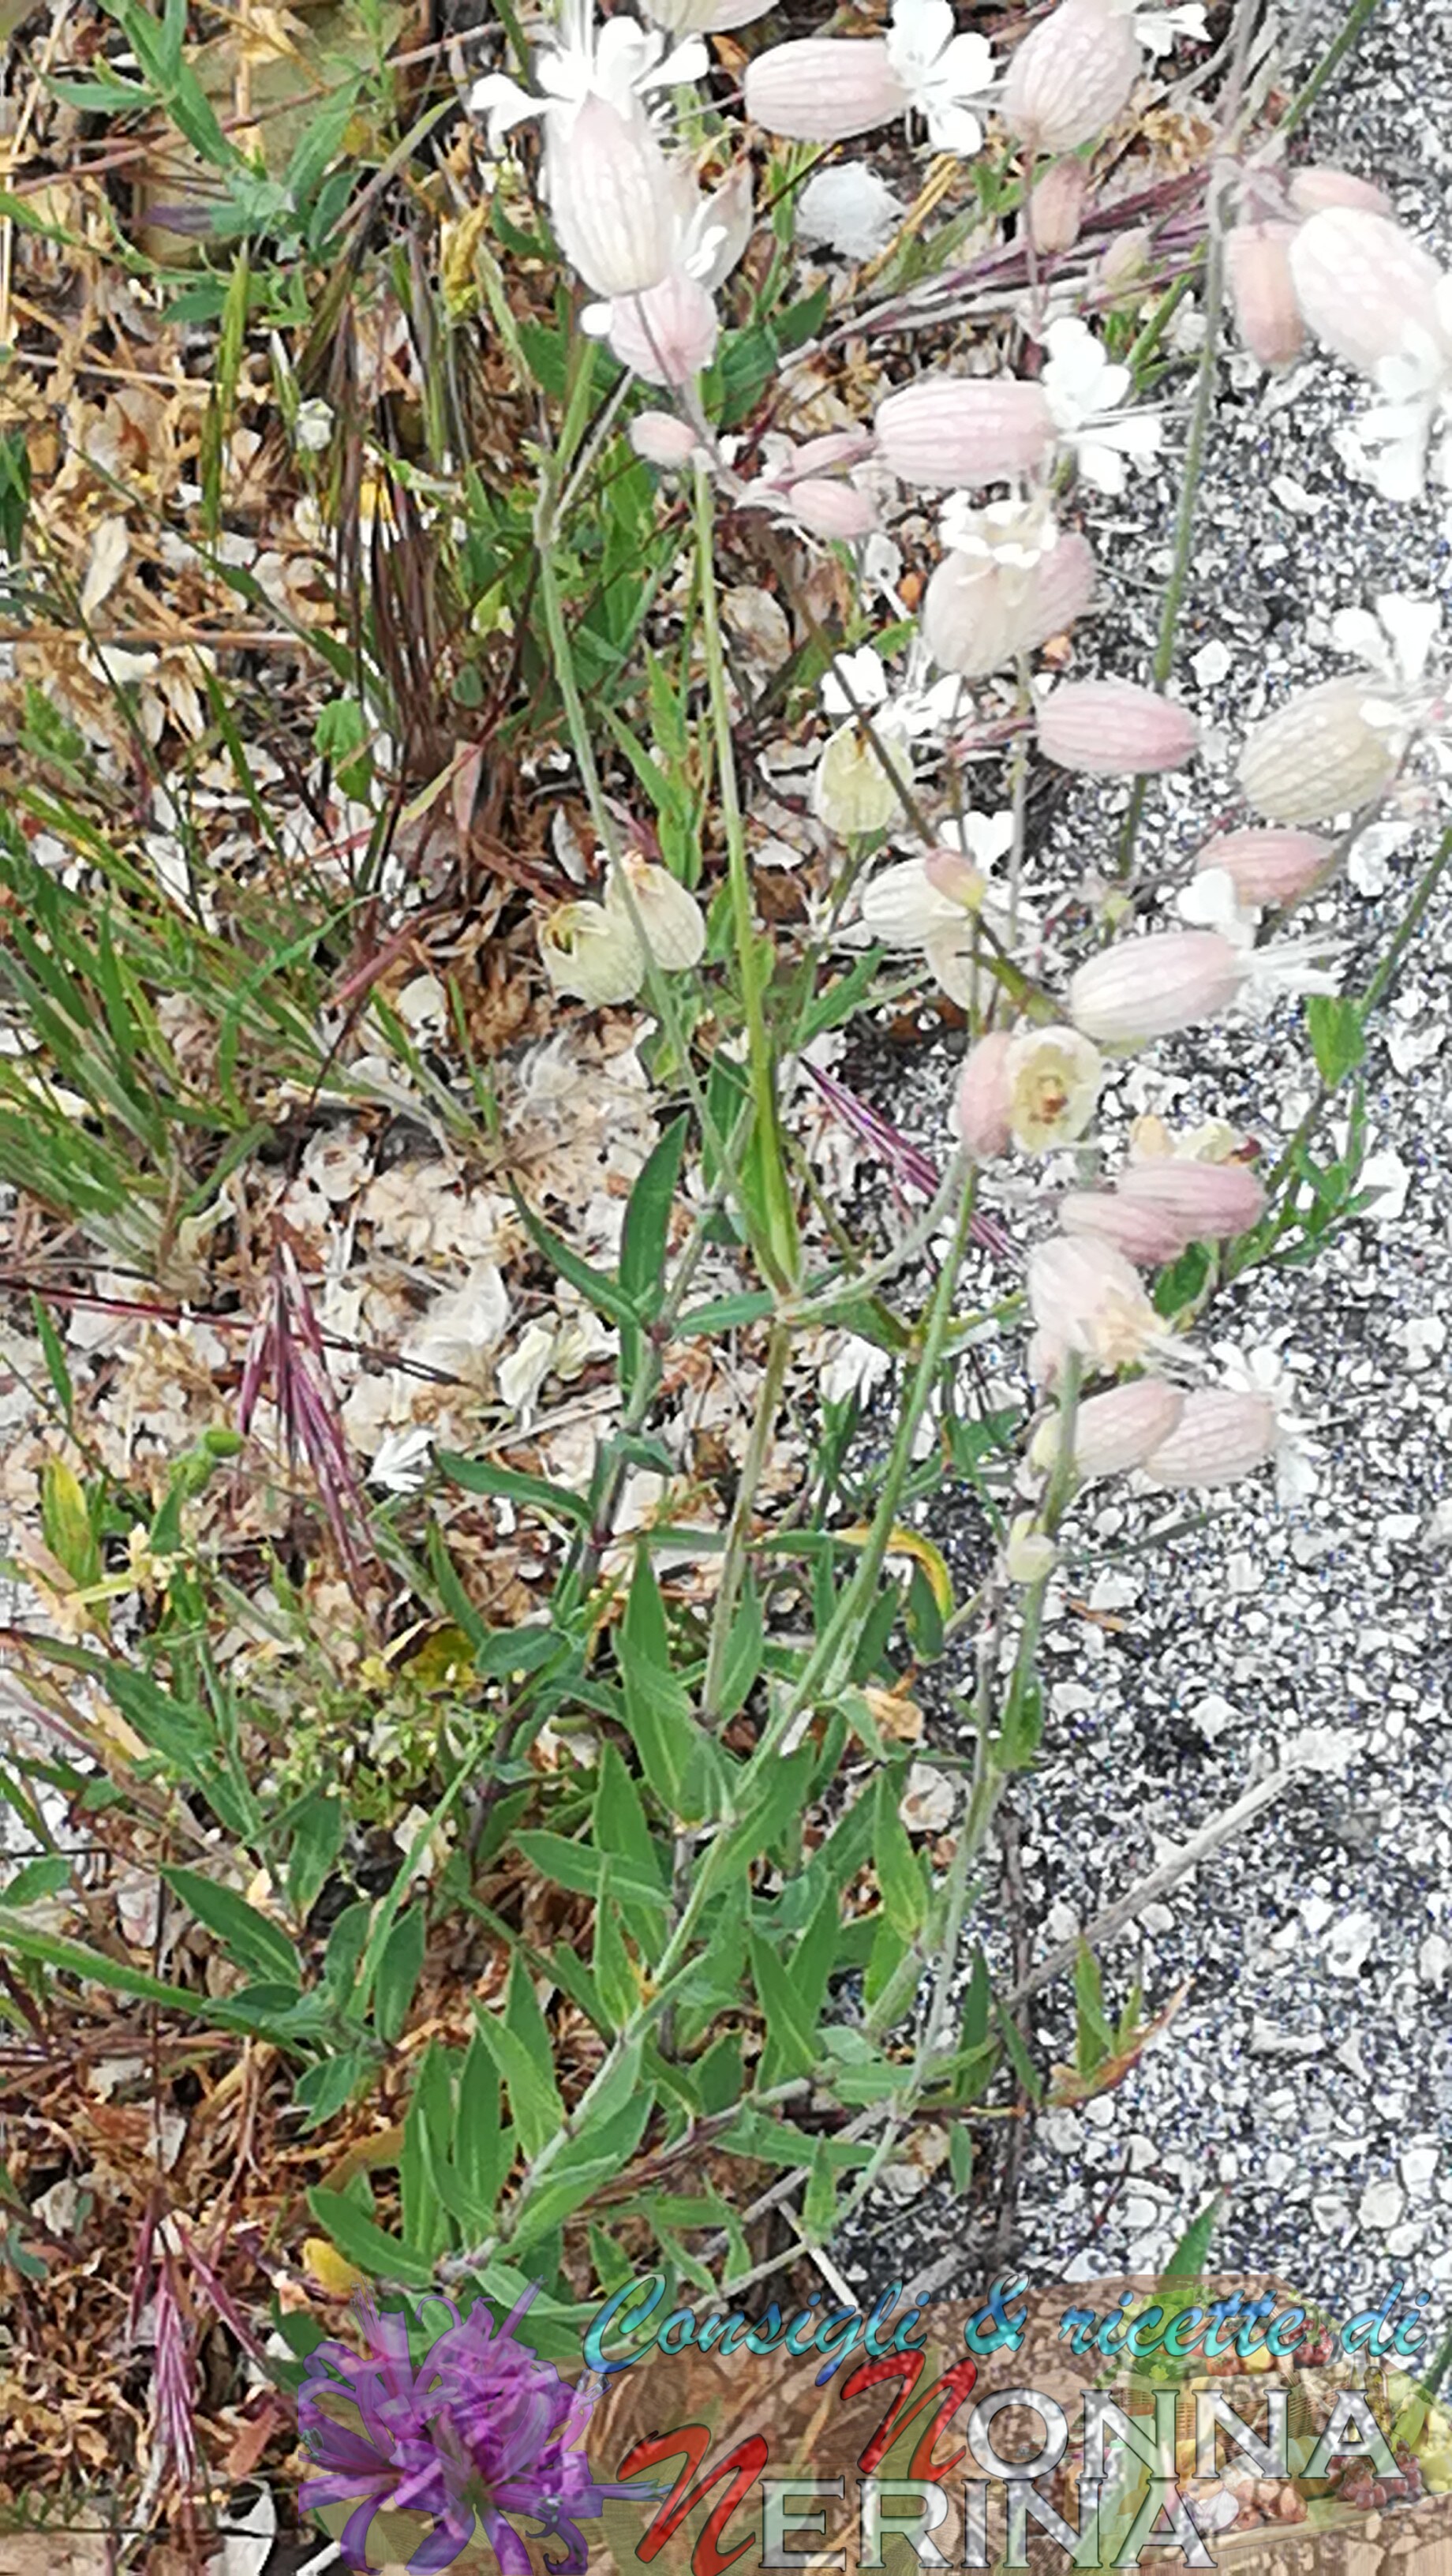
x: 1310, y: 2068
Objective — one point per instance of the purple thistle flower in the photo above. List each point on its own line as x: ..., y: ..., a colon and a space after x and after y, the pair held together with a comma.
x: 479, y: 2428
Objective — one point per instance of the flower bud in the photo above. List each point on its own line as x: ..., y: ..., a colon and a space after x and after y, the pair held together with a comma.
x: 1267, y: 867
x: 661, y: 439
x: 980, y: 1108
x: 824, y: 89
x: 1316, y: 186
x: 1071, y: 76
x: 591, y: 952
x: 1055, y: 208
x: 965, y: 430
x: 1114, y: 1431
x: 1029, y: 1555
x: 979, y: 614
x: 1084, y: 1297
x: 1112, y: 729
x: 852, y: 792
x: 831, y: 509
x: 668, y: 913
x: 833, y: 447
x: 1145, y: 1235
x: 611, y: 199
x: 1126, y: 261
x: 1148, y: 988
x: 950, y: 874
x: 1317, y: 755
x: 1053, y: 1078
x: 1221, y: 1436
x: 666, y: 335
x: 1361, y: 283
x: 1210, y: 1202
x: 1258, y: 275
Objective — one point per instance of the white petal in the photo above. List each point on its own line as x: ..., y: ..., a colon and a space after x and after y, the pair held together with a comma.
x: 1413, y: 625
x: 503, y: 102
x: 952, y: 128
x: 1355, y: 630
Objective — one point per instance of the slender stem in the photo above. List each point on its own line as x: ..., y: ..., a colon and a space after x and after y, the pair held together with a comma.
x: 1185, y: 516
x: 1306, y: 97
x: 824, y: 1669
x: 738, y: 1536
x: 1376, y: 993
x: 783, y: 1247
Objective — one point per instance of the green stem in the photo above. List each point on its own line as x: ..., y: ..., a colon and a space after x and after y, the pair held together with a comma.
x: 1185, y: 516
x: 738, y: 1536
x: 782, y: 1247
x: 825, y: 1668
x: 1306, y: 97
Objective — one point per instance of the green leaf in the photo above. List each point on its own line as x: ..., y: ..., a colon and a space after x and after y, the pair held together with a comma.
x: 960, y: 2157
x: 615, y: 1981
x: 657, y: 1709
x: 745, y: 1648
x: 66, y: 1523
x: 423, y: 2169
x: 588, y: 1872
x: 595, y: 1286
x: 398, y: 1973
x: 55, y: 1358
x: 1023, y: 2065
x: 1181, y: 1282
x: 508, y: 1484
x: 904, y: 1897
x: 1094, y: 2039
x: 49, y: 1876
x: 643, y: 1241
x: 316, y: 1826
x: 819, y: 2202
x: 360, y: 2240
x: 21, y: 1940
x: 520, y: 2046
x: 791, y: 2048
x: 246, y: 1935
x: 1187, y: 2263
x: 618, y: 1825
x: 1338, y: 1039
x: 326, y: 2089
x: 483, y: 2145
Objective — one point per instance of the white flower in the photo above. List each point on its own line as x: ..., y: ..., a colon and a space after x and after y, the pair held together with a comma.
x: 858, y: 682
x: 1263, y: 1372
x: 1210, y: 902
x: 1015, y: 534
x: 981, y: 839
x: 1396, y: 643
x: 850, y: 209
x: 1417, y: 381
x: 664, y: 910
x: 1160, y: 30
x: 400, y: 1462
x: 903, y: 908
x: 852, y: 791
x: 946, y: 76
x: 1085, y: 391
x: 621, y: 61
